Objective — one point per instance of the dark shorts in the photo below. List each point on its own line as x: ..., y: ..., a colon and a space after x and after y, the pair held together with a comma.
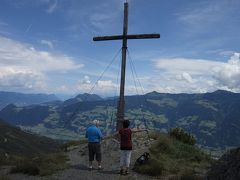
x: 94, y: 149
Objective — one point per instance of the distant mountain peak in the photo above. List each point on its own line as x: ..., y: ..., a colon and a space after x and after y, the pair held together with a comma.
x: 153, y: 93
x: 83, y: 98
x: 220, y: 91
x: 89, y: 97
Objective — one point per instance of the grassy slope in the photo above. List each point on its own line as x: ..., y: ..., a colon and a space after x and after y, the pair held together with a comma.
x: 14, y: 141
x: 28, y: 153
x: 172, y: 157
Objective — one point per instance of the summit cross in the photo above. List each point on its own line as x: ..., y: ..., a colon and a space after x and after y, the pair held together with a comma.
x: 124, y: 37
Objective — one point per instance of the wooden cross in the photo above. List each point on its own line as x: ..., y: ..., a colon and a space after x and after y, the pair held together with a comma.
x: 124, y: 38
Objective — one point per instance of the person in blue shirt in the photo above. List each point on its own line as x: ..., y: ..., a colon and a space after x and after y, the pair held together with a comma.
x: 94, y: 136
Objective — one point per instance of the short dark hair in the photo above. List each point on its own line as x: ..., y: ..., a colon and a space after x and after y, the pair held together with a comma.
x: 126, y: 123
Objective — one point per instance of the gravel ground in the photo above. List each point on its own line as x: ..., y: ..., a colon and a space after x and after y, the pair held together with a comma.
x: 78, y: 161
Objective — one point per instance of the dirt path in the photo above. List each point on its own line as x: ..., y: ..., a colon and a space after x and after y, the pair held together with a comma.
x: 78, y: 161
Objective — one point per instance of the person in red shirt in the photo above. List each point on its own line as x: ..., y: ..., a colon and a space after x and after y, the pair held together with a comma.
x: 125, y: 135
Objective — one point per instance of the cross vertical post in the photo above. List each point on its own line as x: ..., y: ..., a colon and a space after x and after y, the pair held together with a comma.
x: 124, y: 37
x: 121, y: 103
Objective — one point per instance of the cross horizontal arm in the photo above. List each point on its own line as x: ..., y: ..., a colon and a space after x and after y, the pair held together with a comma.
x: 134, y: 36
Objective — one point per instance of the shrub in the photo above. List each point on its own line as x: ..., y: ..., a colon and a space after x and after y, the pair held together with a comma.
x: 153, y: 168
x: 26, y: 167
x: 42, y: 165
x: 3, y: 177
x: 182, y: 136
x: 169, y: 156
x: 153, y: 135
x: 163, y: 145
x: 188, y: 174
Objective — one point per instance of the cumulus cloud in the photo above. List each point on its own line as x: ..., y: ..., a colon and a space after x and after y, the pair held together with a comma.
x: 106, y: 85
x: 185, y: 76
x: 196, y: 75
x: 10, y: 78
x: 84, y: 85
x: 21, y: 65
x: 102, y: 87
x: 229, y: 75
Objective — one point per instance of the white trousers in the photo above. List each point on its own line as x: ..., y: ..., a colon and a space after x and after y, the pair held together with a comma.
x: 125, y: 158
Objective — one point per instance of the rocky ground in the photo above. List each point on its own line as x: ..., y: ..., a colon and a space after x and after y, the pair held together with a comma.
x: 78, y: 164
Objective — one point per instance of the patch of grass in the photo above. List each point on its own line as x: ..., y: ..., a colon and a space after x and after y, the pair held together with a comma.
x: 26, y: 167
x: 154, y: 168
x: 153, y: 134
x: 9, y: 159
x: 4, y: 177
x: 170, y: 156
x: 183, y: 136
x: 42, y: 165
x: 187, y: 121
x: 188, y: 174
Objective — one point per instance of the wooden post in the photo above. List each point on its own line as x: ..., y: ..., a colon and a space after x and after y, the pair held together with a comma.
x: 121, y: 103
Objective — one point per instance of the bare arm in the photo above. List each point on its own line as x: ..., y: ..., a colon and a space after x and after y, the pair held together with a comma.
x: 138, y: 130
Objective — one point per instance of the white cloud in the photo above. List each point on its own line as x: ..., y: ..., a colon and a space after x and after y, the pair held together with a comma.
x: 106, y: 85
x: 22, y: 66
x: 14, y: 79
x: 84, y: 85
x: 86, y: 80
x: 194, y: 75
x: 229, y: 75
x: 185, y: 76
x: 13, y: 53
x: 47, y: 42
x: 191, y: 66
x: 102, y: 87
x: 226, y: 53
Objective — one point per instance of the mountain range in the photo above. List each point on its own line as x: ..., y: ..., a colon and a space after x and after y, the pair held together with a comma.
x: 214, y: 118
x: 21, y: 99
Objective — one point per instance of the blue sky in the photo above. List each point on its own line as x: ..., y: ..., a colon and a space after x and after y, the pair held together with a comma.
x: 46, y: 46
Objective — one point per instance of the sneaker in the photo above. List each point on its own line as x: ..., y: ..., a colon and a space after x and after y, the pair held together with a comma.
x: 100, y: 168
x: 90, y: 168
